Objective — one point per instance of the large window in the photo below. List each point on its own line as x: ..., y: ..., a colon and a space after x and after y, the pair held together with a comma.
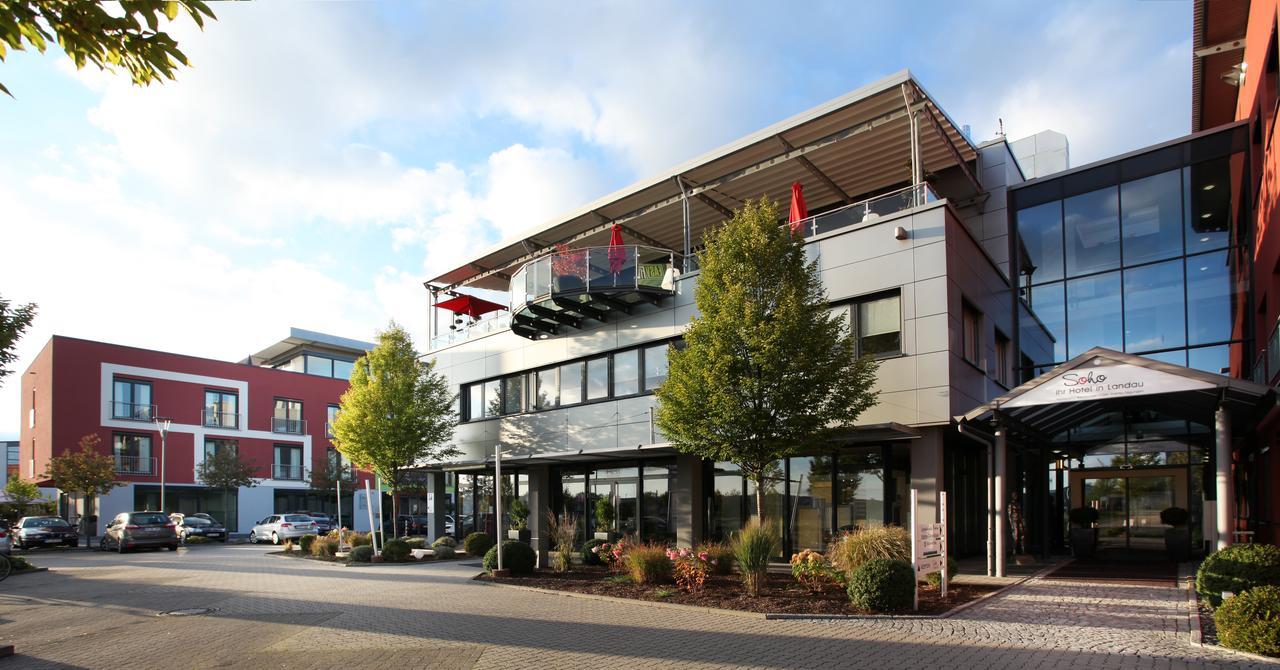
x: 214, y: 446
x: 132, y: 454
x: 288, y: 417
x: 1004, y: 360
x: 655, y: 366
x: 597, y: 378
x: 132, y: 400
x: 288, y: 462
x: 1153, y: 307
x: 330, y: 418
x: 1152, y: 220
x: 1092, y: 231
x: 571, y: 383
x: 513, y: 394
x: 1093, y: 313
x: 971, y: 333
x: 221, y: 409
x: 626, y: 373
x: 546, y: 389
x: 875, y: 322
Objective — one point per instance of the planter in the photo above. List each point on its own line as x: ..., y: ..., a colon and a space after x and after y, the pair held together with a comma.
x: 522, y: 535
x: 1177, y: 543
x: 1083, y: 542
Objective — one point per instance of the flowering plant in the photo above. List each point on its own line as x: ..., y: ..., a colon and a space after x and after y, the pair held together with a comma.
x: 691, y: 567
x: 610, y: 554
x: 813, y: 570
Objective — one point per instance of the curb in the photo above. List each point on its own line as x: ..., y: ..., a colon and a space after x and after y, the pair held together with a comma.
x: 612, y: 599
x: 27, y: 572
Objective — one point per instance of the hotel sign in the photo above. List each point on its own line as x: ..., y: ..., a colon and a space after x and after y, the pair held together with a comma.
x: 1107, y: 379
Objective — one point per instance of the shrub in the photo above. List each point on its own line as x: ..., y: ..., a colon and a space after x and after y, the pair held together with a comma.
x: 518, y: 511
x: 860, y: 546
x: 1174, y: 516
x: 324, y: 548
x: 591, y: 552
x: 753, y: 547
x: 691, y: 567
x: 563, y: 533
x: 813, y: 570
x: 517, y: 557
x: 721, y: 554
x: 362, y: 553
x: 1250, y: 621
x: 19, y: 563
x: 882, y: 585
x: 306, y: 542
x: 648, y: 563
x: 416, y: 542
x: 476, y: 544
x: 444, y: 551
x: 286, y: 546
x: 1083, y: 517
x: 444, y: 541
x: 359, y: 540
x: 1238, y: 568
x: 396, y: 551
x: 935, y: 578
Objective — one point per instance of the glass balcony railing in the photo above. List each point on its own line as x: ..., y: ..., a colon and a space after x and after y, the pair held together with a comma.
x: 286, y: 471
x: 129, y: 411
x: 135, y: 465
x: 869, y: 210
x: 626, y: 268
x: 288, y: 426
x: 216, y: 419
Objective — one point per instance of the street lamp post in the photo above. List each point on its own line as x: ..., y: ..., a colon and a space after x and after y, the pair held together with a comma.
x: 497, y: 488
x: 162, y: 423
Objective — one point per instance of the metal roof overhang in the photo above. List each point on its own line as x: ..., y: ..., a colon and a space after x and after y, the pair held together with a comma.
x: 1179, y: 392
x: 1217, y: 45
x: 842, y: 151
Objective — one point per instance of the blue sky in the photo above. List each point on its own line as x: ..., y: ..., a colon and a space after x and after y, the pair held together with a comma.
x: 320, y: 160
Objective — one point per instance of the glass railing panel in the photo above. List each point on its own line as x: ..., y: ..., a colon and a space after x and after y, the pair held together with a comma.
x: 540, y: 272
x: 569, y: 271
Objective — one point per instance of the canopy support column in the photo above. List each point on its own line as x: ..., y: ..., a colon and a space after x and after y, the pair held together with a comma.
x: 1001, y: 458
x: 686, y: 233
x: 1222, y: 479
x: 991, y: 509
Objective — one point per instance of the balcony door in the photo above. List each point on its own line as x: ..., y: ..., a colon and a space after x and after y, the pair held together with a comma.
x: 288, y: 462
x: 288, y: 417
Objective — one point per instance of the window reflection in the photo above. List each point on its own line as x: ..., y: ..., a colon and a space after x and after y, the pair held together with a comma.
x: 1048, y: 301
x: 861, y: 489
x: 1152, y: 217
x: 1208, y: 298
x: 1153, y: 312
x: 571, y: 384
x: 1208, y: 205
x: 727, y: 501
x: 597, y: 378
x: 1092, y: 232
x: 811, y: 498
x: 1093, y: 313
x: 658, y: 518
x: 626, y: 373
x: 1040, y: 229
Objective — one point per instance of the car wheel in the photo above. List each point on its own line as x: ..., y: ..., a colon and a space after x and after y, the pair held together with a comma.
x: 253, y: 539
x: 173, y: 547
x: 275, y: 538
x: 102, y: 544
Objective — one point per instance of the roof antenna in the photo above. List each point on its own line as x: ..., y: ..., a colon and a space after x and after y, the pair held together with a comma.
x: 1001, y: 122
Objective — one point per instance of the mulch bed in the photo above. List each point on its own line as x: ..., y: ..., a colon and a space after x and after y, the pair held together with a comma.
x: 781, y: 595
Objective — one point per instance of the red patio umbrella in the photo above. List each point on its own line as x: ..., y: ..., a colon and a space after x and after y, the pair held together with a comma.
x: 799, y: 211
x: 469, y: 305
x: 617, y: 254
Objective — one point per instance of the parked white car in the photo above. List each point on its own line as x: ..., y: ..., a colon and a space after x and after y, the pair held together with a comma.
x: 6, y: 538
x: 279, y: 527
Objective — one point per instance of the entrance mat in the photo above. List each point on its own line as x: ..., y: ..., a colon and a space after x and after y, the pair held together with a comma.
x: 1151, y: 572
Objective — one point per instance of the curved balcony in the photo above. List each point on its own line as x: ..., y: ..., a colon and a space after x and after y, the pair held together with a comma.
x: 567, y: 288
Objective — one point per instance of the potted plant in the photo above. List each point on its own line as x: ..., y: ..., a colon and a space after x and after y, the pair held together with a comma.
x: 605, y: 516
x: 518, y: 512
x: 1084, y: 537
x: 1177, y: 538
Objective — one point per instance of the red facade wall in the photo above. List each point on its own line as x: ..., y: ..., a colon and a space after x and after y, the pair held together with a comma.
x: 69, y: 374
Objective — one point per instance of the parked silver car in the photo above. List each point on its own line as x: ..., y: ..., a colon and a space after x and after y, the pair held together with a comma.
x: 44, y: 531
x: 279, y: 527
x: 138, y: 530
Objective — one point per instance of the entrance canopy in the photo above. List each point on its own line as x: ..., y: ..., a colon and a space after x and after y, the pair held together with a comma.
x: 1100, y: 381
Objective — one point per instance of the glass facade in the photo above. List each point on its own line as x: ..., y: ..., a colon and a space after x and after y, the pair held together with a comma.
x: 1133, y: 256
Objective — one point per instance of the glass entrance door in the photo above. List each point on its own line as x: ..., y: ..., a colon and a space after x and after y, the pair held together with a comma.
x: 1129, y: 509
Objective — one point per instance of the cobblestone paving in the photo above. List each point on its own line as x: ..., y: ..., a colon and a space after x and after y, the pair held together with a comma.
x: 99, y: 610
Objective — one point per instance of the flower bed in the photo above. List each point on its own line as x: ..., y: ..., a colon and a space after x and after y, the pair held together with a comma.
x: 780, y: 594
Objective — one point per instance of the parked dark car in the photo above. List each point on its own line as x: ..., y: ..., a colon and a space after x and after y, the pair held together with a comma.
x: 137, y: 530
x: 324, y: 523
x: 198, y: 526
x: 414, y: 524
x: 44, y: 531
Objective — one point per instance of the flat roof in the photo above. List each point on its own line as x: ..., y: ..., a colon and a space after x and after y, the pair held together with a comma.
x: 299, y: 338
x: 842, y: 151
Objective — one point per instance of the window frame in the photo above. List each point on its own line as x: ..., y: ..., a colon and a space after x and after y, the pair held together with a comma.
x: 116, y: 454
x: 290, y: 421
x: 223, y: 393
x: 132, y: 383
x: 1004, y: 360
x: 275, y: 460
x: 852, y: 320
x: 966, y: 309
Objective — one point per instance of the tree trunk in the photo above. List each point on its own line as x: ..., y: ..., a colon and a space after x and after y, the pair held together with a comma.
x: 760, y: 499
x: 395, y: 513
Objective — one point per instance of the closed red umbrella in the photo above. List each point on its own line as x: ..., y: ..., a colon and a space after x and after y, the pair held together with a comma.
x: 799, y: 211
x: 617, y: 253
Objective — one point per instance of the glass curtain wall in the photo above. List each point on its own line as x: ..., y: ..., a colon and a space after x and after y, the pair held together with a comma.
x: 658, y: 518
x: 1138, y: 265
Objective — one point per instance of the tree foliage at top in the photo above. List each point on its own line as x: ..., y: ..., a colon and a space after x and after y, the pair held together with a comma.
x: 124, y: 34
x: 397, y: 413
x: 766, y: 368
x: 14, y: 321
x: 85, y: 472
x: 224, y: 469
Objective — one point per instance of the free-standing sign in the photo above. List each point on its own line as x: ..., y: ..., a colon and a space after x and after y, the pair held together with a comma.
x: 1101, y: 378
x: 928, y: 545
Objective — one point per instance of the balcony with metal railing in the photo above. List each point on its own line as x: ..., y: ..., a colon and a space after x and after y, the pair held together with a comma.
x: 288, y: 426
x: 568, y: 288
x: 217, y: 419
x: 286, y: 471
x: 129, y: 411
x: 866, y: 211
x: 135, y: 465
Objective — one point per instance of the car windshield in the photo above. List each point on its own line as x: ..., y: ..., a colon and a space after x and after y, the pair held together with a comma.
x: 152, y: 519
x: 189, y: 521
x: 46, y: 523
x: 297, y: 518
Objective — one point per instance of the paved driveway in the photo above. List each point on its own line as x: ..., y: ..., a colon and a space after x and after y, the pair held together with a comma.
x: 99, y: 610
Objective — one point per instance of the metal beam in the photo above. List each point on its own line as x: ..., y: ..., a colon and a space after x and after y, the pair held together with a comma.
x: 951, y: 148
x: 813, y: 170
x: 1219, y: 48
x: 588, y: 311
x: 552, y: 315
x: 838, y: 136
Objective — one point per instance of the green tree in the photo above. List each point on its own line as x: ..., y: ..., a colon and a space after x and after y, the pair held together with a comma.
x: 224, y: 469
x: 14, y: 321
x: 111, y: 35
x: 397, y: 413
x: 21, y: 494
x: 766, y: 368
x: 86, y: 473
x: 325, y: 480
